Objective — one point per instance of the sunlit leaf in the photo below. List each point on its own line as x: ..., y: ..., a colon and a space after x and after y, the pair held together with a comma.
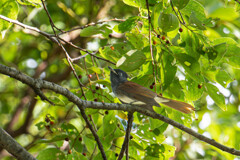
x: 156, y: 13
x: 9, y: 9
x: 50, y: 154
x: 197, y: 8
x: 180, y: 4
x: 225, y: 13
x: 215, y: 94
x: 126, y: 25
x: 131, y: 61
x: 168, y: 22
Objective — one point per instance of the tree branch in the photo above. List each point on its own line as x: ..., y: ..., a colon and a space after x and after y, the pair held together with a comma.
x: 11, y: 145
x: 108, y: 106
x: 127, y: 137
x: 49, y: 36
x: 150, y: 42
x: 53, y: 37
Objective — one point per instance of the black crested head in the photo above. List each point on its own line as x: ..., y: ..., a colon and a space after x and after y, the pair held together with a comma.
x: 117, y: 76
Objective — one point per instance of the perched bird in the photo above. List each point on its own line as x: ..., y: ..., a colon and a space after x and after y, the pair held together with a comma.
x: 133, y: 93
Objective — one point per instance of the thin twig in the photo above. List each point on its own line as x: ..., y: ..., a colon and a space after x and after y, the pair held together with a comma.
x: 127, y: 137
x: 108, y: 106
x: 77, y: 137
x: 65, y: 51
x: 84, y: 50
x: 93, y: 24
x: 53, y: 38
x: 95, y: 147
x: 175, y: 12
x: 150, y: 41
x: 181, y: 17
x: 75, y: 74
x: 49, y: 36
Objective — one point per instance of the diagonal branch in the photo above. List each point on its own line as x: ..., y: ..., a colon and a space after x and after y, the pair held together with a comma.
x: 109, y: 106
x: 150, y: 41
x: 11, y: 145
x: 53, y: 37
x: 49, y: 36
x: 127, y: 137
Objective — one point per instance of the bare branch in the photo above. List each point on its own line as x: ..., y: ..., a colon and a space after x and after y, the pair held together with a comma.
x: 11, y: 145
x: 53, y: 37
x: 150, y: 41
x: 49, y: 36
x: 93, y: 24
x: 127, y: 137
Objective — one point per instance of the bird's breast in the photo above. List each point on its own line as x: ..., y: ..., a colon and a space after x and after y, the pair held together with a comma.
x: 126, y: 99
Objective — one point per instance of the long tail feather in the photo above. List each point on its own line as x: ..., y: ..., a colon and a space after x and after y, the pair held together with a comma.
x: 178, y: 105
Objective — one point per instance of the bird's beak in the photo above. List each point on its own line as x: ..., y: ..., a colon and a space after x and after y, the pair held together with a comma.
x: 112, y: 70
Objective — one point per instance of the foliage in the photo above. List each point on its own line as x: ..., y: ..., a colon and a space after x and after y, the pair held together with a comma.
x: 196, y: 57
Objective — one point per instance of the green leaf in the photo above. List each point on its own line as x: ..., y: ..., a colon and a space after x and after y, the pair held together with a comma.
x: 135, y: 3
x: 35, y: 3
x: 108, y: 53
x: 109, y: 123
x: 179, y: 117
x: 168, y: 71
x: 191, y: 90
x: 127, y: 25
x: 232, y: 54
x: 210, y: 74
x: 54, y: 139
x: 234, y: 61
x: 131, y: 61
x: 215, y: 94
x: 69, y: 129
x: 232, y: 46
x: 161, y: 151
x: 89, y: 143
x: 144, y: 80
x: 95, y: 69
x: 105, y: 82
x: 156, y: 13
x: 195, y: 22
x: 40, y: 125
x: 191, y: 66
x: 136, y: 39
x: 175, y: 39
x: 77, y: 145
x: 225, y: 13
x: 197, y: 8
x: 9, y: 9
x: 93, y: 30
x: 174, y: 90
x: 50, y: 154
x: 223, y: 78
x: 168, y: 22
x: 155, y: 123
x: 136, y: 144
x: 180, y: 4
x: 218, y: 52
x: 191, y: 44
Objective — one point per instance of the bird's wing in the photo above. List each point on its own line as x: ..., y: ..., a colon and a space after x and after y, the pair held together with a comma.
x: 130, y: 92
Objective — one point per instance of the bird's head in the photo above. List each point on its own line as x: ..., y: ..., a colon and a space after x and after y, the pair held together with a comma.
x: 117, y: 76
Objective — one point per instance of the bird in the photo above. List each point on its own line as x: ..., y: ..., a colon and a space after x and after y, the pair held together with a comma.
x: 132, y: 93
